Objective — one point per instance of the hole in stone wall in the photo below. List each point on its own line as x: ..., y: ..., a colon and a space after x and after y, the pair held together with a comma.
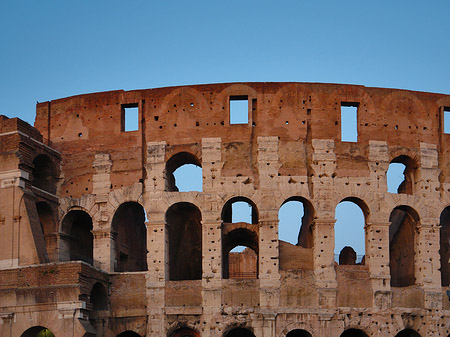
x: 78, y: 224
x: 349, y: 121
x: 131, y: 241
x: 401, y: 175
x: 183, y: 221
x: 44, y: 174
x: 239, y: 209
x: 353, y: 333
x: 298, y: 333
x: 444, y: 250
x: 239, y: 332
x: 37, y: 331
x: 350, y: 217
x: 130, y: 117
x: 404, y: 221
x: 238, y: 109
x: 446, y: 119
x: 407, y: 333
x: 99, y: 297
x: 295, y: 220
x: 184, y: 173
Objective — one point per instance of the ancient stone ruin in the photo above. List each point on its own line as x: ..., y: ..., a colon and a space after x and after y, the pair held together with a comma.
x: 98, y: 239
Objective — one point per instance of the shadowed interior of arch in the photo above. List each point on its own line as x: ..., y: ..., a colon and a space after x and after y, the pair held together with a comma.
x: 37, y: 331
x: 79, y: 244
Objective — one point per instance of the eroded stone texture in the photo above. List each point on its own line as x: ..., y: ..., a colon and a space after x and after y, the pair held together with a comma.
x: 96, y: 238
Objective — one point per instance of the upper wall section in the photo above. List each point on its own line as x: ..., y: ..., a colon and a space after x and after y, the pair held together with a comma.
x: 295, y: 112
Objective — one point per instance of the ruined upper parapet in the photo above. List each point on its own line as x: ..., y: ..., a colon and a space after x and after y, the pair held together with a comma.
x: 296, y: 113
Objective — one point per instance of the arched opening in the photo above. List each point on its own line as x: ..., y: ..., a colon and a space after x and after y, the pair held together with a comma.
x: 407, y: 333
x: 444, y: 249
x: 184, y: 332
x: 353, y: 333
x: 239, y: 332
x: 184, y: 173
x: 78, y: 224
x: 44, y: 174
x: 351, y: 214
x: 240, y: 264
x: 404, y: 221
x: 131, y: 243
x: 37, y: 331
x: 239, y: 209
x: 99, y: 297
x: 298, y: 333
x: 184, y: 226
x: 128, y: 333
x: 401, y: 175
x: 48, y: 226
x: 295, y: 222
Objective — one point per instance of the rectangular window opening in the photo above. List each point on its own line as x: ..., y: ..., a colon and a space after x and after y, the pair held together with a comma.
x: 130, y: 117
x: 349, y: 121
x: 447, y: 119
x: 238, y: 109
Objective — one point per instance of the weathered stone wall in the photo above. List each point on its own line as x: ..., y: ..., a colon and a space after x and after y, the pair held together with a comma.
x: 91, y: 169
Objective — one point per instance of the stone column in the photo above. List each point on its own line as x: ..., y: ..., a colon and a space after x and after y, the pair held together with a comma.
x: 427, y: 263
x: 323, y: 235
x: 156, y: 276
x: 377, y: 258
x: 155, y: 166
x: 211, y: 164
x: 269, y: 276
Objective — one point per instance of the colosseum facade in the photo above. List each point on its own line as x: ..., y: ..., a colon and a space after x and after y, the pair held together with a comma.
x: 97, y: 240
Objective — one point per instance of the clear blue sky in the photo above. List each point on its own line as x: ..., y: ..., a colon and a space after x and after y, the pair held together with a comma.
x: 54, y: 49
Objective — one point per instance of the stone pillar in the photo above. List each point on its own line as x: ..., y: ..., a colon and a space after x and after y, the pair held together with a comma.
x: 156, y: 164
x: 103, y: 253
x: 268, y: 162
x: 211, y: 164
x: 323, y: 234
x: 269, y: 276
x: 156, y: 276
x: 377, y: 258
x: 427, y: 264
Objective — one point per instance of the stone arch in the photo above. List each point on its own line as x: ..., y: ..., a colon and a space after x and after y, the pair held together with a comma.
x: 128, y: 333
x: 37, y: 331
x: 301, y: 326
x: 77, y: 244
x: 227, y: 212
x: 44, y: 173
x: 410, y: 173
x: 184, y: 227
x: 408, y: 333
x: 130, y: 245
x: 305, y: 237
x: 402, y: 242
x: 239, y: 331
x: 184, y: 332
x: 99, y: 297
x: 353, y: 332
x: 298, y: 333
x: 444, y: 247
x: 175, y: 162
x: 348, y: 256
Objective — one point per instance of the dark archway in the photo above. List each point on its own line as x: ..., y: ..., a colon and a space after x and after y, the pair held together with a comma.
x: 402, y: 241
x: 444, y: 248
x: 48, y: 226
x: 184, y: 332
x: 184, y: 226
x: 296, y: 212
x: 128, y: 333
x: 44, y: 174
x: 131, y: 243
x: 298, y: 333
x: 407, y: 333
x: 239, y: 332
x: 353, y: 333
x: 78, y: 224
x: 37, y: 331
x: 99, y: 297
x: 177, y: 161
